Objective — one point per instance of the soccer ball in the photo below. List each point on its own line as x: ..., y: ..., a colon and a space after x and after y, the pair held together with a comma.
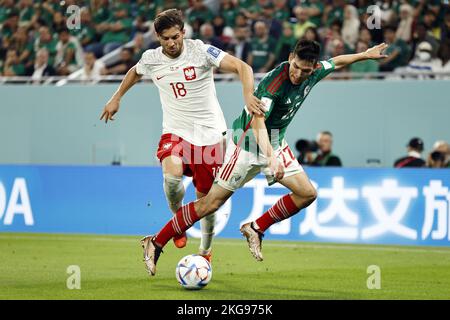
x: 193, y: 272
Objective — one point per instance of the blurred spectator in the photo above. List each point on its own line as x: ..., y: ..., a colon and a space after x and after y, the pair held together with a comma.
x: 262, y: 55
x: 254, y: 12
x: 398, y: 51
x: 282, y: 12
x: 69, y: 54
x: 315, y: 10
x: 404, y: 29
x: 285, y: 44
x: 23, y: 45
x: 208, y: 37
x: 93, y: 69
x: 199, y: 12
x: 445, y: 28
x: 10, y: 25
x: 7, y: 6
x: 240, y: 47
x: 303, y: 22
x: 125, y: 63
x: 430, y: 22
x: 242, y: 20
x: 26, y: 13
x: 221, y: 30
x: 41, y: 68
x: 366, y: 36
x: 414, y: 158
x: 115, y: 31
x: 325, y: 157
x: 387, y: 11
x: 350, y: 27
x: 229, y: 11
x: 421, y: 34
x: 59, y: 22
x: 440, y: 156
x: 423, y: 61
x: 86, y: 33
x: 45, y: 40
x: 13, y: 67
x: 365, y: 65
x: 312, y: 35
x: 332, y: 38
x: 333, y: 12
x: 138, y: 47
x: 267, y: 15
x: 444, y: 55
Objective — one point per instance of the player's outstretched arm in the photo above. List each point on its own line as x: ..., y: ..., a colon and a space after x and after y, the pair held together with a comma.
x: 372, y: 53
x: 112, y: 106
x: 262, y: 139
x: 245, y: 72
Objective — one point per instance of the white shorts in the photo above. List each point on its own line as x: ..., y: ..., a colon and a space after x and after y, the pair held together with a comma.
x: 241, y: 166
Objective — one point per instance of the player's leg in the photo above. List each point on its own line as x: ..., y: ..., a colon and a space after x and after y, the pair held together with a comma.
x: 172, y: 167
x: 236, y: 171
x: 302, y: 195
x: 185, y: 217
x: 207, y: 227
x: 170, y: 153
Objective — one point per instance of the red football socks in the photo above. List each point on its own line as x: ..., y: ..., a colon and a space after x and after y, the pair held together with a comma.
x: 181, y: 221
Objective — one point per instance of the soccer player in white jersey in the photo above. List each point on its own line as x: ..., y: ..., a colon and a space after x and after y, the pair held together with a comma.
x: 193, y: 122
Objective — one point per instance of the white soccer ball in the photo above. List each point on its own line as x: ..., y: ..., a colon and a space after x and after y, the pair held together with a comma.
x: 193, y: 272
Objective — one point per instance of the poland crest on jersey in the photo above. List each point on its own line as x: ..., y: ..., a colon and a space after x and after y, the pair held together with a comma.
x: 189, y: 73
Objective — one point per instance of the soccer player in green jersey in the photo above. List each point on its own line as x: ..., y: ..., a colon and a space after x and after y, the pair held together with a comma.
x: 263, y: 148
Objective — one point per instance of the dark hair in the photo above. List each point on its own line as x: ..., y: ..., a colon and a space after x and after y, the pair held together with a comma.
x: 328, y: 133
x: 168, y: 19
x: 307, y: 50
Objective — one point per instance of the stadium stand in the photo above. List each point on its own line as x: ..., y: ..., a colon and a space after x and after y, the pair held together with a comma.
x: 68, y: 29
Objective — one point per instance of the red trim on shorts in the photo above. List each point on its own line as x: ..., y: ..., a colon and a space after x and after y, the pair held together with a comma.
x: 232, y: 163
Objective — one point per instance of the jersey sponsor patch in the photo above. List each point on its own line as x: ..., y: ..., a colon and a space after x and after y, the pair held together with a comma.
x: 267, y: 103
x: 214, y: 51
x: 326, y: 65
x: 189, y: 73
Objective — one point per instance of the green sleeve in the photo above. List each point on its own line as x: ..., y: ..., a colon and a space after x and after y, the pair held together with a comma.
x: 326, y: 67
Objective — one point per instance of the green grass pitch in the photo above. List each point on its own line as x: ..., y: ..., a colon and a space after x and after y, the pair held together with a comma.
x: 34, y: 266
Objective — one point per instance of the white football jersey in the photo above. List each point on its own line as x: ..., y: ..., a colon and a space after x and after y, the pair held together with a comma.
x: 187, y: 92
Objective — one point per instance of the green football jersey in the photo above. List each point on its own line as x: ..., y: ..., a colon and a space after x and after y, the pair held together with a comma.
x: 282, y: 100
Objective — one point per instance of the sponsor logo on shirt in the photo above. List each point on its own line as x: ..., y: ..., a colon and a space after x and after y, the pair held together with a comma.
x: 167, y: 146
x: 189, y: 73
x: 214, y: 51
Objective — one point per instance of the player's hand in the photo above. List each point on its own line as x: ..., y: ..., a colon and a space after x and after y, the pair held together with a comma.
x: 277, y: 168
x: 110, y: 110
x: 376, y: 51
x: 254, y: 105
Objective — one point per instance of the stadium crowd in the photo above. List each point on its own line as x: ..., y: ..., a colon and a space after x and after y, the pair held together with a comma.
x: 40, y: 38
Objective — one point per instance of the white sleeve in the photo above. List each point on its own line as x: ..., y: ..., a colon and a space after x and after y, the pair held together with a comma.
x: 213, y: 55
x: 143, y: 67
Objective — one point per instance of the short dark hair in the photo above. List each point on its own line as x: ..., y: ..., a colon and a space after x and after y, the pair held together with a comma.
x: 307, y: 50
x: 168, y: 19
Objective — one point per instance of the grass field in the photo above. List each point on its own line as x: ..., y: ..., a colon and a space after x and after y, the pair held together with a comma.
x: 34, y: 266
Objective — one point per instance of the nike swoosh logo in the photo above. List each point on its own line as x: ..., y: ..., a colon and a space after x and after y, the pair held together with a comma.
x: 159, y: 78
